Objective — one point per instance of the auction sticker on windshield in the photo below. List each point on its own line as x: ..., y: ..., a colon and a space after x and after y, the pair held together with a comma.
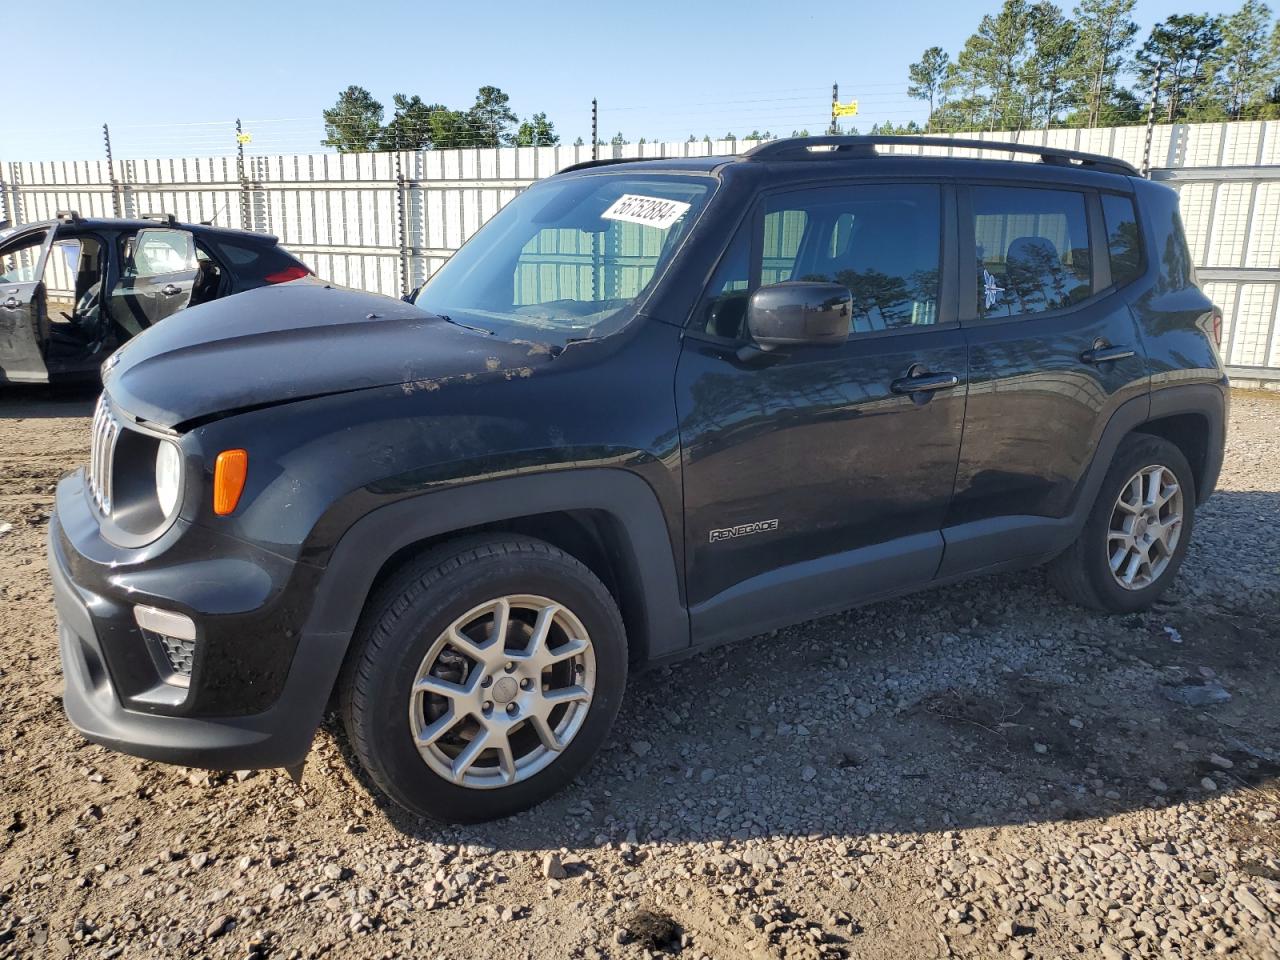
x: 648, y: 211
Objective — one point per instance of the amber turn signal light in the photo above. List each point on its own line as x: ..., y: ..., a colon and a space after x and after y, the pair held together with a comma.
x: 229, y: 473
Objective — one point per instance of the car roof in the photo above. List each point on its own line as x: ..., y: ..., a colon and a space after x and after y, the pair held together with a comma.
x: 76, y: 222
x: 858, y: 156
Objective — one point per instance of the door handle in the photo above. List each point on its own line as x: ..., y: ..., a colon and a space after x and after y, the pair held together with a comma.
x: 169, y: 290
x: 12, y: 303
x: 1103, y: 353
x: 924, y: 383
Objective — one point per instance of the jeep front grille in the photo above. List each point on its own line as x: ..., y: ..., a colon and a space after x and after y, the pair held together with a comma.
x: 106, y: 431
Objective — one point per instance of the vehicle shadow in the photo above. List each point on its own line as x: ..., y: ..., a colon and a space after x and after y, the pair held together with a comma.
x: 57, y: 401
x: 987, y: 703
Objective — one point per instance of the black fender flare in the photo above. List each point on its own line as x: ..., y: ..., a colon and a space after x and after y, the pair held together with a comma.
x: 646, y: 559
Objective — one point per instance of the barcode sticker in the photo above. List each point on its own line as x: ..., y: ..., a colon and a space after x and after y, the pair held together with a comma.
x: 648, y: 211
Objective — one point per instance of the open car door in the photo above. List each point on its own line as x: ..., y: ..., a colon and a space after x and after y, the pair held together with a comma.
x: 24, y: 321
x: 158, y: 270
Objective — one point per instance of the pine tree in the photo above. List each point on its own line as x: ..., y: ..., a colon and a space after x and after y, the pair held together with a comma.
x: 1106, y: 30
x: 927, y: 77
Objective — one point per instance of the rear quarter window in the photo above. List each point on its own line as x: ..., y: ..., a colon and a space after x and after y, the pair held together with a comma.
x: 239, y: 255
x: 1124, y: 245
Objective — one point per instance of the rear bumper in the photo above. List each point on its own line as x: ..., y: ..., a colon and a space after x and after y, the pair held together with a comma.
x: 100, y: 650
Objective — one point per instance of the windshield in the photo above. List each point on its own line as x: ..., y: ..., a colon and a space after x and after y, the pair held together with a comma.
x: 569, y: 257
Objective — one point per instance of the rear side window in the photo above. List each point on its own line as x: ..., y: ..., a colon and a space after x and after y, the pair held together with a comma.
x: 1123, y: 245
x: 1033, y: 250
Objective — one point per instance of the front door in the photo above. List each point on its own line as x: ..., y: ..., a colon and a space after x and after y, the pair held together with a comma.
x: 1053, y: 350
x: 23, y: 310
x: 815, y: 477
x: 159, y: 269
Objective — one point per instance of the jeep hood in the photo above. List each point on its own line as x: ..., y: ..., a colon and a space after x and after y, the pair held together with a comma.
x: 296, y: 340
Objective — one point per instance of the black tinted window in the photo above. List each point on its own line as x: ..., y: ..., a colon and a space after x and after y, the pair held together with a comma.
x: 883, y: 242
x: 1033, y: 250
x: 1122, y: 238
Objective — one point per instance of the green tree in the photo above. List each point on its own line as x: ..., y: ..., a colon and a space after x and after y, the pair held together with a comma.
x: 1048, y: 70
x: 1182, y: 48
x: 927, y: 76
x: 1106, y: 31
x: 618, y: 140
x: 452, y: 129
x: 354, y: 123
x: 411, y: 126
x: 491, y: 118
x: 1247, y: 62
x: 997, y: 55
x: 537, y: 131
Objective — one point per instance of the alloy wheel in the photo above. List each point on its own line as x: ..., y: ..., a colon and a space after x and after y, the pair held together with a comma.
x: 502, y: 691
x: 1146, y: 525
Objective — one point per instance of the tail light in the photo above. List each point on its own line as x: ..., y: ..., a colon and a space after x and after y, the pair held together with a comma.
x: 1217, y: 327
x: 296, y: 272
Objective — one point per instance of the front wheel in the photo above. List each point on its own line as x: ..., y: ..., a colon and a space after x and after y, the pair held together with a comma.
x: 1136, y: 535
x: 485, y: 676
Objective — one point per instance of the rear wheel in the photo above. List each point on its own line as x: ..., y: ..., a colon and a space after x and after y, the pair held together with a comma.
x: 1137, y: 532
x: 486, y: 675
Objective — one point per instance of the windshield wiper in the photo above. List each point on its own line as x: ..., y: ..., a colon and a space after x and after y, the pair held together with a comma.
x: 465, y: 326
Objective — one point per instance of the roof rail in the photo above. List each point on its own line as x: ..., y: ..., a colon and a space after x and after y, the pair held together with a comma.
x: 67, y: 216
x: 604, y: 162
x: 168, y: 219
x: 857, y: 147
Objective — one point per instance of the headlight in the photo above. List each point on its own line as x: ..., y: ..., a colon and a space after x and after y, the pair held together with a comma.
x: 168, y: 476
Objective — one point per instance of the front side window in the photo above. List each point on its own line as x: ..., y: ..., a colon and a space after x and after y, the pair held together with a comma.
x: 20, y: 262
x: 1033, y: 250
x: 1123, y: 244
x: 571, y: 257
x: 881, y: 241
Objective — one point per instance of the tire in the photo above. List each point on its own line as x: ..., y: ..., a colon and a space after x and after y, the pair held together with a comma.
x: 407, y: 620
x: 1083, y: 573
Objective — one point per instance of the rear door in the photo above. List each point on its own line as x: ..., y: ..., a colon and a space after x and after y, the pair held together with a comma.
x: 23, y: 310
x: 1053, y: 350
x: 159, y: 267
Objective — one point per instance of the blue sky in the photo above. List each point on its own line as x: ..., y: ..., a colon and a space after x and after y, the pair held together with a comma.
x: 170, y: 77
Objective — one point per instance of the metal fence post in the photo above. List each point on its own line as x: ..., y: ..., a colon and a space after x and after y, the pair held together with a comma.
x: 111, y: 172
x: 595, y: 130
x: 1151, y: 123
x: 402, y: 225
x: 6, y: 212
x: 244, y: 180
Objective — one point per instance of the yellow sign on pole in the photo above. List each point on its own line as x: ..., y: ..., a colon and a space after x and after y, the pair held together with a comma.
x: 849, y: 109
x: 244, y: 137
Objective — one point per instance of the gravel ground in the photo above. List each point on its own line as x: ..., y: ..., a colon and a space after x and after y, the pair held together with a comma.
x: 981, y: 770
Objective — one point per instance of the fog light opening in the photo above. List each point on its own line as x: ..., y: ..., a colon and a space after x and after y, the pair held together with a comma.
x: 171, y: 638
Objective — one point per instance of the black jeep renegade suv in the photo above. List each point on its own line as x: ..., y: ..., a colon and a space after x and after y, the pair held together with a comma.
x: 651, y: 406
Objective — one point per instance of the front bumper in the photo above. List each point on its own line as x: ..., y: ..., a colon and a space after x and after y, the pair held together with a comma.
x: 113, y: 692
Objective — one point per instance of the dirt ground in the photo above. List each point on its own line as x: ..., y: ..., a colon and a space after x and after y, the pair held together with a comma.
x: 981, y: 770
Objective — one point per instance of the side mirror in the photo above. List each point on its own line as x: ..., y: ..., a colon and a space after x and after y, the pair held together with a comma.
x: 412, y: 295
x: 800, y: 313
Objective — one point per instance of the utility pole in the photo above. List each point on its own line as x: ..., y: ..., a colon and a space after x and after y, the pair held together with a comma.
x: 111, y: 173
x: 835, y: 100
x: 595, y: 130
x: 1151, y: 122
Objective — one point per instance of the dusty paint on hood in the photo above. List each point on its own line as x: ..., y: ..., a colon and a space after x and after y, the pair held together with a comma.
x: 296, y: 340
